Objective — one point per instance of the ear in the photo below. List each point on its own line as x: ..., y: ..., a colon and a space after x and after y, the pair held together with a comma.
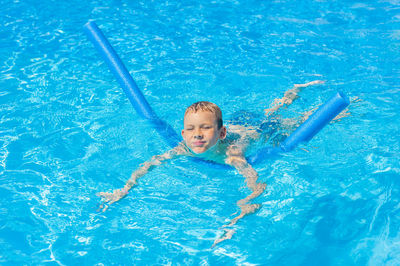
x: 222, y: 133
x: 182, y: 133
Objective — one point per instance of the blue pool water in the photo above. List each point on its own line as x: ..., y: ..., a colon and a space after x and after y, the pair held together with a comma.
x: 68, y: 132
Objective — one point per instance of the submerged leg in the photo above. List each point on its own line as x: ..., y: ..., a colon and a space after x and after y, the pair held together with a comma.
x: 289, y: 97
x: 343, y: 114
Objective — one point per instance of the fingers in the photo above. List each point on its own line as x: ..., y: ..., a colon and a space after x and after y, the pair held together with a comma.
x: 227, y: 235
x: 105, y: 208
x: 106, y: 202
x: 102, y: 208
x: 107, y: 199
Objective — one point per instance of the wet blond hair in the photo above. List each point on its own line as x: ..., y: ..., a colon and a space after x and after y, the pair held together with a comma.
x: 206, y: 107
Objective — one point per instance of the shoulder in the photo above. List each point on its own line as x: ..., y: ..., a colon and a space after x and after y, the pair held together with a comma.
x: 181, y: 149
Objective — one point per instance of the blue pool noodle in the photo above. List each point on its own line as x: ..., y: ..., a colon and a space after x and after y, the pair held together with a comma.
x: 127, y: 83
x: 302, y: 134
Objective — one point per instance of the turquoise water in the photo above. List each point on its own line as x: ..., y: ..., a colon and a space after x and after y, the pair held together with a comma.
x: 68, y: 132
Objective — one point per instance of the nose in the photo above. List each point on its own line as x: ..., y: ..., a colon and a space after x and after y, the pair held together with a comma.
x: 198, y: 134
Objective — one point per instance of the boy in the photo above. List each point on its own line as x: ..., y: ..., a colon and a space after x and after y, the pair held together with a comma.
x: 204, y: 135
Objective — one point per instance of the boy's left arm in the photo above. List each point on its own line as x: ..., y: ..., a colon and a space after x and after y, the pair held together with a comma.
x: 236, y: 159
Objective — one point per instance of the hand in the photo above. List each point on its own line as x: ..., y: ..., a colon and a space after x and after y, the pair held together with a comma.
x: 227, y: 235
x: 109, y: 198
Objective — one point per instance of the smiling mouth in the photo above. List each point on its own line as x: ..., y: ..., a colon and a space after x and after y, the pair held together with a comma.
x: 198, y: 143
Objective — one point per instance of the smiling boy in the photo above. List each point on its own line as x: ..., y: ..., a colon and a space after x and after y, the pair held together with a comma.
x: 203, y: 126
x: 205, y: 136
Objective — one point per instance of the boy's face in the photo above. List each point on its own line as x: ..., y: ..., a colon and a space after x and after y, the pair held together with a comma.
x: 201, y: 131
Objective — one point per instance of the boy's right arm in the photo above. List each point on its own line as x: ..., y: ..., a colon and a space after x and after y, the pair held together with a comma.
x: 111, y: 197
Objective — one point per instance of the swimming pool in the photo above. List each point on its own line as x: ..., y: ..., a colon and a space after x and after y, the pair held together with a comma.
x: 68, y: 132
